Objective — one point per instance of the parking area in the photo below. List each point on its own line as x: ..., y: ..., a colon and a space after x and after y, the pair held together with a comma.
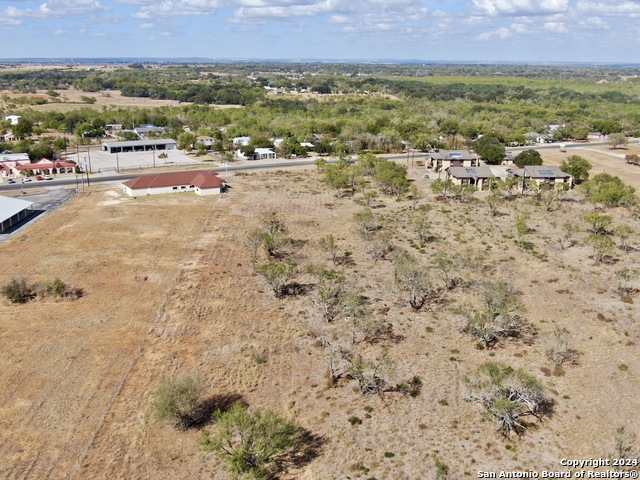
x: 98, y: 161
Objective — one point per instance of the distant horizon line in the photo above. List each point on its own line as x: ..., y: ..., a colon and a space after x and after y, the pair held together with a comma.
x: 309, y: 60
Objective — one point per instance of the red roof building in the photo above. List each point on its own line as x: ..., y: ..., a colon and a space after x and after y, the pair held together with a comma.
x: 198, y: 181
x: 48, y: 167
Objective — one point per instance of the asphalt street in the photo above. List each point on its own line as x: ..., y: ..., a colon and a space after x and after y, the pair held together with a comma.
x: 76, y: 180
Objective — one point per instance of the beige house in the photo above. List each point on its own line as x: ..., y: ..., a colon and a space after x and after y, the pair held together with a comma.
x: 543, y: 174
x: 443, y: 159
x: 476, y: 176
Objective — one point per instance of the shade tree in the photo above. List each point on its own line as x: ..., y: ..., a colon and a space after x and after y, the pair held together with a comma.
x: 528, y: 157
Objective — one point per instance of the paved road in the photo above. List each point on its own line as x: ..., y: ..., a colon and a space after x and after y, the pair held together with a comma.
x: 257, y: 165
x: 106, y: 178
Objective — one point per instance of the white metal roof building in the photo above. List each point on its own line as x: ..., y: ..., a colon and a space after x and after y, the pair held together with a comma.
x: 13, y: 211
x: 140, y: 145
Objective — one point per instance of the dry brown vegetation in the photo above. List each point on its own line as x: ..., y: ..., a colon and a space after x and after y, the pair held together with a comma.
x: 170, y: 287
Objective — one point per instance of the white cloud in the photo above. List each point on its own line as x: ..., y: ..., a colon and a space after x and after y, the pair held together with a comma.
x: 55, y: 9
x: 500, y: 33
x: 6, y: 20
x: 609, y: 8
x: 521, y: 7
x: 170, y: 8
x: 595, y: 23
x: 555, y: 27
x: 338, y: 19
x: 146, y: 26
x: 285, y: 9
x: 57, y: 33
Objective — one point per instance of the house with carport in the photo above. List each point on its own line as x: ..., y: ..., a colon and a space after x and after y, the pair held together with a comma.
x: 201, y: 182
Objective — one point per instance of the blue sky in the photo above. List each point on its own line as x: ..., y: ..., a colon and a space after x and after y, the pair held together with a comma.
x: 456, y: 30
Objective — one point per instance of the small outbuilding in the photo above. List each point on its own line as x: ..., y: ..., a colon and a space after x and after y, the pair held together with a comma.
x: 13, y: 211
x: 198, y: 181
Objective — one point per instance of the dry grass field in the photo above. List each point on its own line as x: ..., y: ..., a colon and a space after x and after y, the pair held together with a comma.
x: 170, y: 288
x: 71, y: 99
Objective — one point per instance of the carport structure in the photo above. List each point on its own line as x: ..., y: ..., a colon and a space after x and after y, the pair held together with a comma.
x: 140, y: 145
x: 13, y: 211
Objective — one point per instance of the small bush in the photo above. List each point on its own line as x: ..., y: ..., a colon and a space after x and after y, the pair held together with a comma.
x: 411, y: 388
x: 178, y: 400
x: 355, y: 420
x: 389, y: 454
x: 18, y: 291
x: 255, y: 443
x: 58, y: 289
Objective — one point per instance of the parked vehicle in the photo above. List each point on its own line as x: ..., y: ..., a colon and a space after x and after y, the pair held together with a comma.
x: 26, y: 179
x: 47, y: 177
x: 39, y: 177
x: 11, y: 180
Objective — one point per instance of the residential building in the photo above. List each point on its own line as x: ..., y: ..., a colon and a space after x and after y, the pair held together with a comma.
x: 13, y: 119
x: 544, y: 174
x: 241, y: 141
x: 258, y: 154
x: 476, y: 176
x: 443, y: 159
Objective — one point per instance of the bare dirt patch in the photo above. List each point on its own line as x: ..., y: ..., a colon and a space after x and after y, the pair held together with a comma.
x: 170, y: 288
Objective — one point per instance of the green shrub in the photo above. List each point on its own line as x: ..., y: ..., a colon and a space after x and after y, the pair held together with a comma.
x: 178, y: 400
x: 256, y: 443
x: 57, y: 288
x: 355, y: 420
x: 18, y: 291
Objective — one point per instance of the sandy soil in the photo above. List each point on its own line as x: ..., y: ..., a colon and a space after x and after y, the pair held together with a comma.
x: 170, y: 288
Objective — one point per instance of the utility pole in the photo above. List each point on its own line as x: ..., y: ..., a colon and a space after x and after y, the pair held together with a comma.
x: 117, y: 163
x: 87, y: 172
x: 89, y: 155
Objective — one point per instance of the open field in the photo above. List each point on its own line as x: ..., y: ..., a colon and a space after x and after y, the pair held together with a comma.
x: 170, y: 288
x: 603, y: 158
x: 71, y: 99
